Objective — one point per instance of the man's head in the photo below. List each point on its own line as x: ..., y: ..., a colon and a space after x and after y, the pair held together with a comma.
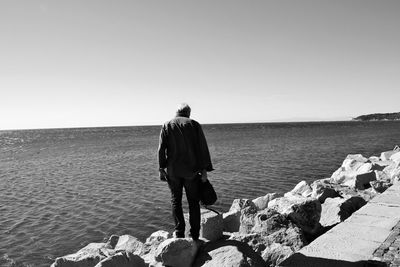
x: 183, y: 110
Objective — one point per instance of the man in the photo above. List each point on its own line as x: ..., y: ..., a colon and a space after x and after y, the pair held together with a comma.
x: 184, y: 157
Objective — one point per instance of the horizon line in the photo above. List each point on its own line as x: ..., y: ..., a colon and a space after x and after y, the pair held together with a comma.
x: 153, y: 125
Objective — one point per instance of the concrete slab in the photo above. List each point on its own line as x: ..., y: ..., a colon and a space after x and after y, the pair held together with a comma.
x: 380, y: 210
x: 360, y: 233
x: 366, y: 220
x: 392, y: 199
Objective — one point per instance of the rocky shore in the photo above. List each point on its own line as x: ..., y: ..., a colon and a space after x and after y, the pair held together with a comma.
x: 260, y: 232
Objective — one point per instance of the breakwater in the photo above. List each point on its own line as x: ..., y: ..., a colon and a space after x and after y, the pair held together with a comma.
x: 264, y: 231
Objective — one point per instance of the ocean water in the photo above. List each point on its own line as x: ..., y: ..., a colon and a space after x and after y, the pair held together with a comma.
x: 61, y: 189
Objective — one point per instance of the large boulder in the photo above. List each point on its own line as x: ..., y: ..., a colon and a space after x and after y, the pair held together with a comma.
x: 322, y: 189
x: 88, y: 256
x: 305, y: 212
x: 228, y: 253
x: 268, y: 226
x: 387, y: 154
x: 122, y: 259
x: 361, y: 181
x: 380, y: 186
x: 152, y: 243
x: 274, y: 254
x: 336, y: 210
x: 211, y: 225
x: 395, y: 157
x: 262, y: 202
x: 352, y: 166
x: 231, y: 219
x: 130, y: 244
x: 177, y: 252
x: 241, y: 203
x: 302, y: 189
x: 247, y: 216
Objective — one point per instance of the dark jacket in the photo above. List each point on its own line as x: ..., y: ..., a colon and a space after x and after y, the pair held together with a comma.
x: 183, y: 148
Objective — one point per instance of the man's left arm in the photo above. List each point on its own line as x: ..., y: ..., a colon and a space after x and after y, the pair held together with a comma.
x: 162, y: 158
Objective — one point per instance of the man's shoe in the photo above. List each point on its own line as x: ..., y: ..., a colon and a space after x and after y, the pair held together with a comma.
x: 177, y: 234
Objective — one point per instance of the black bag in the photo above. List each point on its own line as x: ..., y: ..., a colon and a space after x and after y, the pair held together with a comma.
x: 207, y: 193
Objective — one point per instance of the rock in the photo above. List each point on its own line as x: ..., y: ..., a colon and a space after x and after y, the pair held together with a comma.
x: 361, y: 181
x: 305, y: 212
x: 262, y: 202
x: 387, y: 154
x: 86, y: 257
x: 395, y: 157
x: 239, y: 204
x: 112, y: 242
x: 247, y: 216
x: 380, y: 186
x: 229, y: 253
x: 211, y: 225
x: 274, y: 254
x: 352, y: 166
x: 392, y: 171
x: 322, y: 190
x: 336, y: 210
x: 152, y: 243
x: 302, y: 189
x: 177, y: 252
x: 130, y: 244
x: 122, y: 259
x: 231, y: 221
x: 158, y: 236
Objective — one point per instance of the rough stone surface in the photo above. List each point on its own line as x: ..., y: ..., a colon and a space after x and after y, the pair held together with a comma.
x: 122, y: 259
x: 247, y: 216
x: 211, y: 225
x: 321, y: 190
x: 262, y: 202
x: 177, y: 252
x: 269, y: 226
x: 152, y: 243
x: 336, y: 210
x: 274, y: 254
x: 129, y: 243
x: 302, y: 189
x: 85, y: 257
x: 361, y: 181
x: 305, y: 212
x: 385, y: 156
x: 241, y: 203
x: 228, y: 253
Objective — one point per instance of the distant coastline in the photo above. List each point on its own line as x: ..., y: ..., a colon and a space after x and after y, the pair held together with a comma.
x: 379, y: 117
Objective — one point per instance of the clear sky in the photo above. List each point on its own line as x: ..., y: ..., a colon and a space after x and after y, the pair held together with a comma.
x: 103, y: 63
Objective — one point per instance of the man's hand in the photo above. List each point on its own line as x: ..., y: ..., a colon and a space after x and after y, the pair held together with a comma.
x: 204, y: 176
x: 163, y: 175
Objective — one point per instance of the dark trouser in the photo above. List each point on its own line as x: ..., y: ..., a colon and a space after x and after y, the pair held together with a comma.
x: 191, y: 185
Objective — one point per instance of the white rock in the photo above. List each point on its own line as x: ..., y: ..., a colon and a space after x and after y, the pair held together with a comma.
x: 177, y: 252
x: 122, y: 260
x: 302, y: 189
x: 395, y: 157
x: 387, y: 154
x: 336, y: 210
x: 228, y: 256
x: 130, y: 244
x: 241, y: 203
x: 262, y: 202
x: 86, y: 257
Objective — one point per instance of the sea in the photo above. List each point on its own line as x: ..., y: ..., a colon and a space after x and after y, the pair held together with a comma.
x: 61, y: 189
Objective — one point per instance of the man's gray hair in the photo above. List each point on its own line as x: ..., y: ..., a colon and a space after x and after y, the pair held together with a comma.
x: 184, y: 110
